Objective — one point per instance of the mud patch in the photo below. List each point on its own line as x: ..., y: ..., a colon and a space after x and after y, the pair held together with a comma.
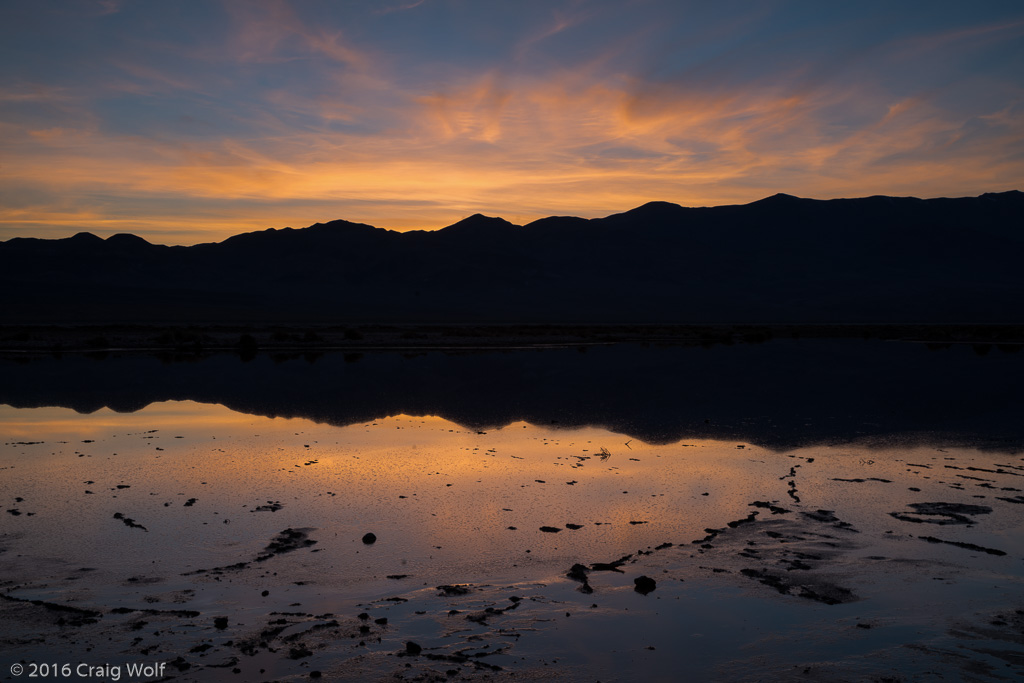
x: 942, y: 513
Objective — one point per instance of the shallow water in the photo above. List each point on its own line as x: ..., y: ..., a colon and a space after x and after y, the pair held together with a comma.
x: 822, y: 583
x: 440, y: 498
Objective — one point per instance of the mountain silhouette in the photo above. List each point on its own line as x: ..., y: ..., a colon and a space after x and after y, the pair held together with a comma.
x: 780, y: 259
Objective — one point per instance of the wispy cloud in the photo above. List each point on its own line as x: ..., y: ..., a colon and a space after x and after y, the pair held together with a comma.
x: 972, y: 37
x: 270, y: 31
x: 399, y: 7
x: 108, y: 6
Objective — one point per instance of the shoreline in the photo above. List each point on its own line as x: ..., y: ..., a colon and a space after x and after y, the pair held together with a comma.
x: 294, y: 337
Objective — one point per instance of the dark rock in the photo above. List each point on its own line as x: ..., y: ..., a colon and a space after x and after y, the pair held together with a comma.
x: 285, y: 542
x: 369, y: 538
x: 611, y: 566
x: 746, y: 520
x: 775, y: 509
x: 644, y: 585
x: 180, y: 664
x: 129, y: 522
x: 578, y: 572
x: 965, y: 546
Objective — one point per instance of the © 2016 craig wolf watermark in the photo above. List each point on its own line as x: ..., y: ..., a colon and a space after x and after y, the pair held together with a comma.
x: 100, y: 672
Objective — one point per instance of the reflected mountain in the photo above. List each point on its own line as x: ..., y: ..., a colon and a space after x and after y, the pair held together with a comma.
x: 781, y: 394
x: 780, y: 259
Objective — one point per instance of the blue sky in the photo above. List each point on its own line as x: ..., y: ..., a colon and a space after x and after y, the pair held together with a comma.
x: 190, y: 121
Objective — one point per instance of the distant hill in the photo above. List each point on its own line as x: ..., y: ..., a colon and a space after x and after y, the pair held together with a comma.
x: 780, y: 259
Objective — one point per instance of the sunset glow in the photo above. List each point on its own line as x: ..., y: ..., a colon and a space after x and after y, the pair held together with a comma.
x: 189, y: 122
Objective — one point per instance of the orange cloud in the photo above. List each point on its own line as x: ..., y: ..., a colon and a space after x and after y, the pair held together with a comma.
x: 512, y: 146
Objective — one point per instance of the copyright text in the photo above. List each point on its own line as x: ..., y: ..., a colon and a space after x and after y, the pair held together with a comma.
x: 99, y: 672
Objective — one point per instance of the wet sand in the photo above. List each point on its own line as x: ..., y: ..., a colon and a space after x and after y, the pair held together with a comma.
x: 234, y: 547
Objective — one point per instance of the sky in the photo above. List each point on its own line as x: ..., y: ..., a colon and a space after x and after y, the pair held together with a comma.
x: 189, y: 121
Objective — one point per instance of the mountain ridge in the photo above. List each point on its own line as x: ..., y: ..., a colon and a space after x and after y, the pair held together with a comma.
x: 479, y: 219
x: 780, y: 259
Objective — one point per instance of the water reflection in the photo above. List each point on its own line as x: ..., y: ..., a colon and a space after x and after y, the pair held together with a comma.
x: 782, y: 393
x: 438, y: 496
x: 161, y: 522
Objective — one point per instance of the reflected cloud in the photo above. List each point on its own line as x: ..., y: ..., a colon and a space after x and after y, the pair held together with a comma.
x: 170, y: 417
